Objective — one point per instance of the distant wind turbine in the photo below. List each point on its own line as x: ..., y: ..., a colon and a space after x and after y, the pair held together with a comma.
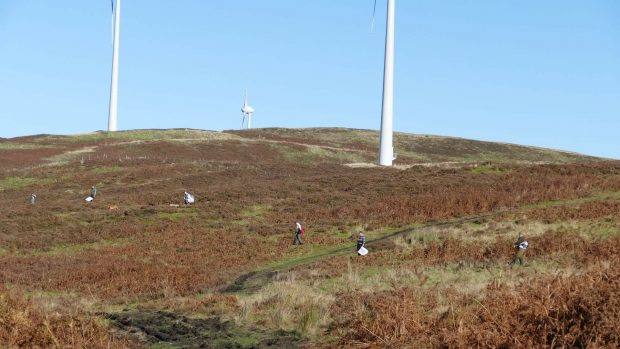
x: 386, y: 147
x: 113, y: 112
x: 247, y: 111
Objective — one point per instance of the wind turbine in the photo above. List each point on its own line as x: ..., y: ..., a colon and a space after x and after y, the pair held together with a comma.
x: 386, y: 147
x: 113, y: 111
x: 247, y: 111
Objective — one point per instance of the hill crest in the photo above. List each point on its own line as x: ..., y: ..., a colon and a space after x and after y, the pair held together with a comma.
x: 308, y: 145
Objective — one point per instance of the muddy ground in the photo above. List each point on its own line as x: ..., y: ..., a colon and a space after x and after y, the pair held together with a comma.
x: 162, y: 327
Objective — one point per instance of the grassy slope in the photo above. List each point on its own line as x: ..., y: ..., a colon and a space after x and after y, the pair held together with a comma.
x: 418, y: 148
x: 141, y: 172
x: 324, y: 142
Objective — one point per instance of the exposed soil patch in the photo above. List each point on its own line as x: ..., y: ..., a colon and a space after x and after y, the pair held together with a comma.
x: 161, y: 327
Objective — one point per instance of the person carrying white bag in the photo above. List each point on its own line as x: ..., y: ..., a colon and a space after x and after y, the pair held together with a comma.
x: 93, y: 193
x: 361, y: 241
x: 188, y: 198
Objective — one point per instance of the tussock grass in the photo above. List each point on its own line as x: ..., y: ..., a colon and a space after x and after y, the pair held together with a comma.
x: 288, y: 305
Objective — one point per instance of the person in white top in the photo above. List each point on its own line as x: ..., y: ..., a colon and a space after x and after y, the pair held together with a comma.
x: 299, y: 233
x: 188, y: 198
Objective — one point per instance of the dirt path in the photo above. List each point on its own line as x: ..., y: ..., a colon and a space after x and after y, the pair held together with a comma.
x: 255, y: 280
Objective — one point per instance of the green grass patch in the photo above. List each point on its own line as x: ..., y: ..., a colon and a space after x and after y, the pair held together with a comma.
x: 430, y: 148
x: 609, y: 195
x: 311, y: 253
x: 243, y: 340
x: 65, y: 157
x: 20, y: 182
x: 308, y: 252
x: 469, y: 280
x: 110, y: 308
x: 424, y: 238
x: 21, y: 146
x: 256, y: 211
x: 489, y: 168
x: 252, y: 212
x: 598, y: 196
x: 164, y: 346
x: 104, y: 322
x: 328, y: 135
x: 177, y: 215
x: 51, y: 294
x: 107, y: 169
x: 69, y: 249
x: 313, y: 154
x: 140, y: 135
x: 591, y: 229
x: 603, y: 233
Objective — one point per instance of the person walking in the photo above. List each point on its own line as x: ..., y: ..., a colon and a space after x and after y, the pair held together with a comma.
x: 361, y: 241
x: 33, y: 198
x: 299, y: 233
x: 520, y: 246
x: 93, y: 192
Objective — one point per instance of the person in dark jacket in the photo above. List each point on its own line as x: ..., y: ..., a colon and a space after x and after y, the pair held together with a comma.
x: 520, y: 246
x: 361, y: 241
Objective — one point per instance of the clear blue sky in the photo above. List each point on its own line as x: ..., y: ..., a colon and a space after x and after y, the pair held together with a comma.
x: 544, y: 73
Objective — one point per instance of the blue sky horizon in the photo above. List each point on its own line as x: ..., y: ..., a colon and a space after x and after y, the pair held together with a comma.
x: 544, y: 74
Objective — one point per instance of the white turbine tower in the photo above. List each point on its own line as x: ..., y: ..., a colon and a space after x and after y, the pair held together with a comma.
x: 386, y: 147
x: 113, y: 112
x: 247, y: 111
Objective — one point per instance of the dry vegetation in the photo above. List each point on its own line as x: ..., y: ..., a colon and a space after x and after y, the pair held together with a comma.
x: 576, y: 311
x: 24, y: 324
x: 542, y: 311
x: 444, y: 286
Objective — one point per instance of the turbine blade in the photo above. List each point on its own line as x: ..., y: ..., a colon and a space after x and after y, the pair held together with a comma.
x: 374, y: 11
